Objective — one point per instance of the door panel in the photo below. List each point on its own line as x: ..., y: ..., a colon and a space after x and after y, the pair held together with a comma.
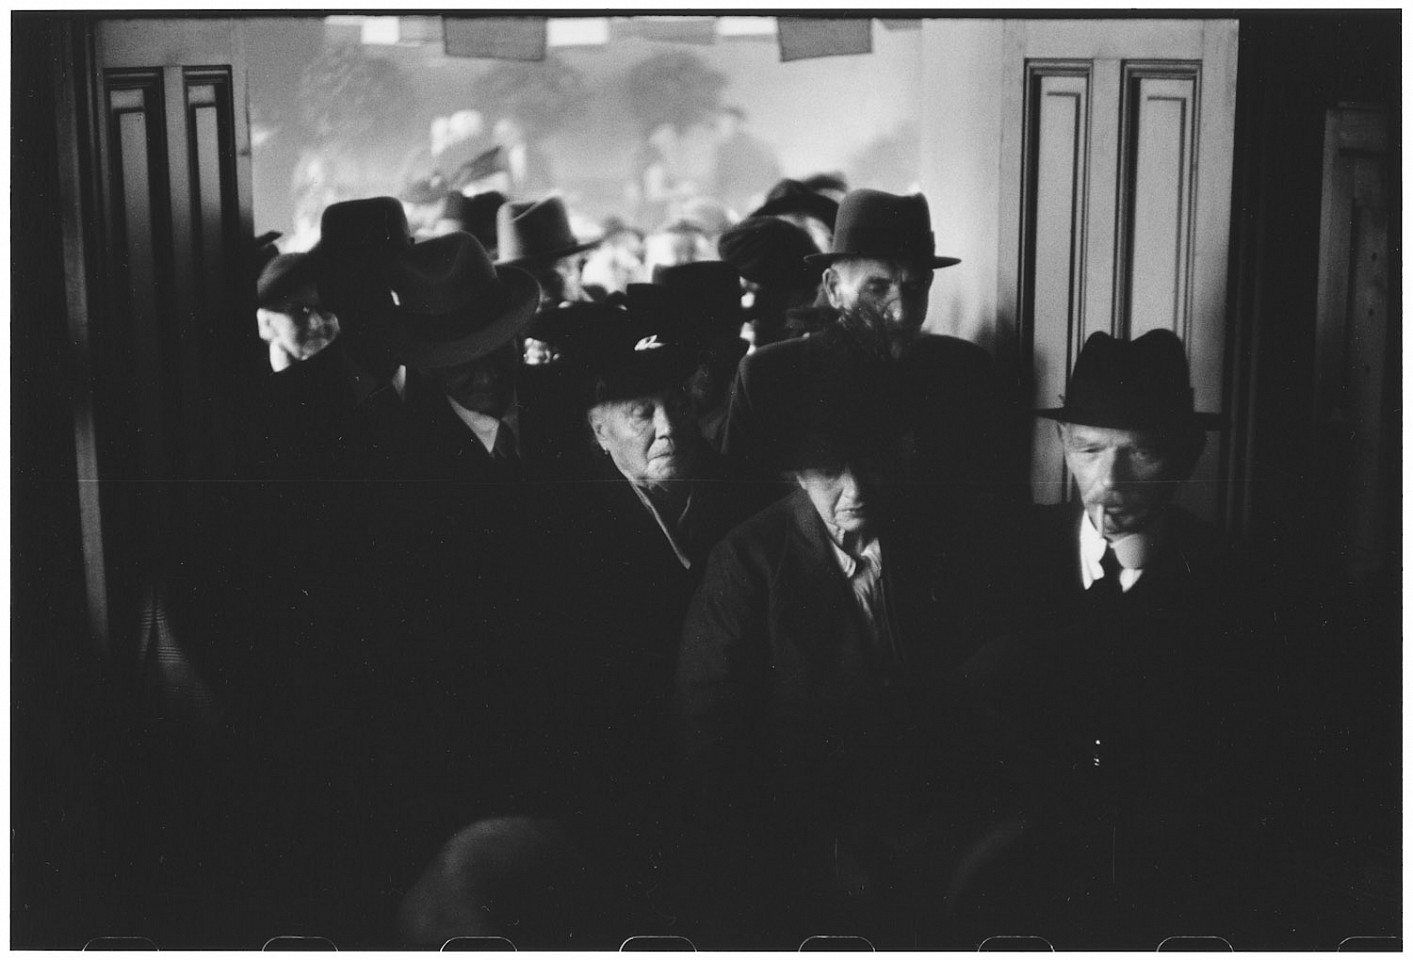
x: 1059, y: 179
x: 1159, y: 184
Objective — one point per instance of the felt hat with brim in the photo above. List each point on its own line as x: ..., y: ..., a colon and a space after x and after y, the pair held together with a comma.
x: 357, y: 241
x: 770, y: 251
x: 282, y: 277
x: 478, y: 217
x: 1137, y: 384
x: 574, y: 328
x: 705, y: 295
x: 639, y: 351
x: 792, y: 196
x: 883, y: 226
x: 375, y: 228
x: 453, y: 304
x: 533, y: 234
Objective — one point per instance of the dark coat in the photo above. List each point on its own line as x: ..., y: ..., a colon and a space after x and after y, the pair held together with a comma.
x: 960, y: 431
x: 311, y: 425
x: 798, y: 733
x: 1138, y: 727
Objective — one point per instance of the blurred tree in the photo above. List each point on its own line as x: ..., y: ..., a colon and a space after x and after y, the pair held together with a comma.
x: 676, y: 88
x: 890, y: 161
x: 539, y: 96
x: 346, y: 95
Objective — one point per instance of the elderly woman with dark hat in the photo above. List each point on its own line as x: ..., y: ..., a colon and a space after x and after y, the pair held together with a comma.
x: 616, y: 557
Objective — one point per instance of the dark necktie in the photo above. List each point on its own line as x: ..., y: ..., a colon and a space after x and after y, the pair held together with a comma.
x: 504, y: 454
x: 1107, y: 588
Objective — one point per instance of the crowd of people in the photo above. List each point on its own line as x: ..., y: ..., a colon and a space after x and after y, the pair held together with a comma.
x: 680, y: 584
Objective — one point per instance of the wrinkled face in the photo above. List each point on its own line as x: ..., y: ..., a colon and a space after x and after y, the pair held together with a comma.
x: 889, y: 296
x: 485, y: 385
x: 650, y: 439
x: 1124, y: 477
x: 842, y: 497
x: 299, y: 325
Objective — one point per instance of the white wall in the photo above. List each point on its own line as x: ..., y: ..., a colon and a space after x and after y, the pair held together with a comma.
x: 959, y: 108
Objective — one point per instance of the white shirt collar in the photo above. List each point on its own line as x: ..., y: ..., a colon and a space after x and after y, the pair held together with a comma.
x: 669, y: 530
x: 485, y: 427
x: 849, y: 563
x: 1132, y: 552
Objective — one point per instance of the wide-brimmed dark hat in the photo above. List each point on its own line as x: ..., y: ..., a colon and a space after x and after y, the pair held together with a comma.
x: 634, y: 350
x: 477, y: 215
x: 883, y: 226
x: 281, y: 277
x: 531, y: 234
x: 792, y: 196
x: 705, y: 296
x: 575, y: 329
x: 357, y: 241
x: 453, y: 304
x: 770, y: 251
x: 362, y: 231
x: 1138, y: 384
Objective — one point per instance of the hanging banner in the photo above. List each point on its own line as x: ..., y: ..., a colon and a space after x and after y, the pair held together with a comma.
x: 496, y: 38
x: 803, y: 38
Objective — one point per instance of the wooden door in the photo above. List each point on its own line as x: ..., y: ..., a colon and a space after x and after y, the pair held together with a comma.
x: 155, y: 194
x: 1115, y: 204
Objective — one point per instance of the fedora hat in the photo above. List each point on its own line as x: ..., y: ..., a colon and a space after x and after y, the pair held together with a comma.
x: 477, y: 215
x: 1132, y: 385
x: 770, y: 251
x: 453, y: 304
x: 634, y: 350
x: 281, y: 277
x: 357, y: 240
x: 706, y: 295
x: 575, y: 329
x: 883, y: 226
x: 533, y: 233
x: 792, y: 196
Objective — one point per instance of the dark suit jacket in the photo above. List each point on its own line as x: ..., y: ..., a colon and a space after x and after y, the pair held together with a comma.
x: 783, y: 699
x: 1139, y: 729
x: 311, y: 425
x: 960, y: 430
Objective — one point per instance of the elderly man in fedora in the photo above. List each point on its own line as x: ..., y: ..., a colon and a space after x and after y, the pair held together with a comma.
x: 940, y: 390
x: 534, y: 236
x: 1140, y: 686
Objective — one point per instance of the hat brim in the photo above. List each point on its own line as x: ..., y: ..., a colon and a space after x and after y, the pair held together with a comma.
x: 515, y: 316
x: 825, y: 259
x: 549, y: 256
x: 1117, y: 421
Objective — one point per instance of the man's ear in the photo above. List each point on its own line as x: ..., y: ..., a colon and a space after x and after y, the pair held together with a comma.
x: 600, y: 428
x: 831, y: 287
